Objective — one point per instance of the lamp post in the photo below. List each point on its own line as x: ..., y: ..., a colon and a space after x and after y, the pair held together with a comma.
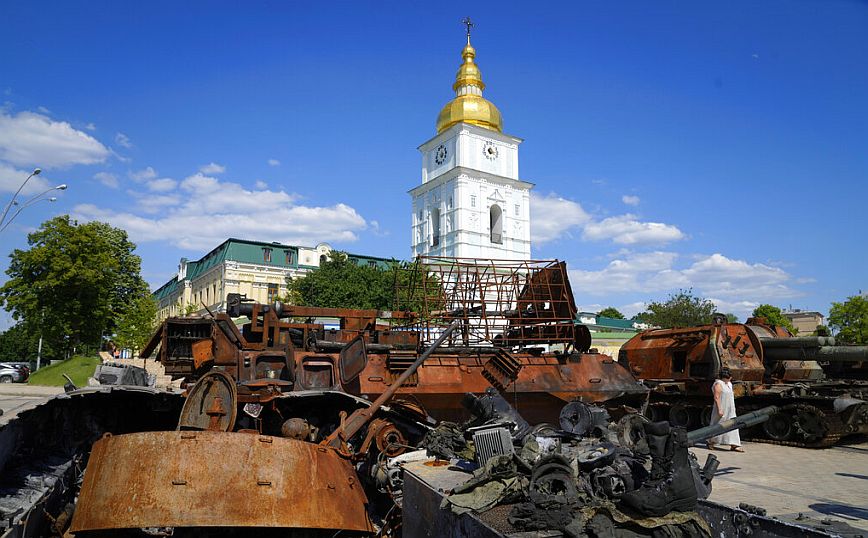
x: 30, y: 202
x: 35, y: 172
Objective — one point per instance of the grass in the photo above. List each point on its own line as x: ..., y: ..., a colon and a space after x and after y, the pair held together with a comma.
x: 78, y: 368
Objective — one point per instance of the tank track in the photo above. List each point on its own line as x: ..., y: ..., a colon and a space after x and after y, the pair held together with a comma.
x: 827, y: 420
x: 818, y: 428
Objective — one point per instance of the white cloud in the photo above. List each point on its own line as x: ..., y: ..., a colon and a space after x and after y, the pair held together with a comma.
x: 736, y: 286
x: 261, y: 185
x: 205, y: 211
x: 273, y: 162
x: 107, y: 179
x: 123, y: 140
x: 627, y: 230
x: 554, y: 217
x: 31, y: 139
x: 90, y: 126
x: 162, y: 185
x: 718, y: 275
x: 11, y: 179
x: 143, y: 175
x: 212, y: 168
x: 630, y: 199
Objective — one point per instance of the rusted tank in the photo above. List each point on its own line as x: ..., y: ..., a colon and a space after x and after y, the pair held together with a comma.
x: 516, y: 332
x: 769, y: 367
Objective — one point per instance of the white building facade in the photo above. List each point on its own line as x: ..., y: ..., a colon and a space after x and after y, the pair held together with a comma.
x: 471, y: 203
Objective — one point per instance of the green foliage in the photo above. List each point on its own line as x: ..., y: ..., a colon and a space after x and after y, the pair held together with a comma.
x: 821, y: 330
x: 850, y: 320
x: 73, y: 283
x: 191, y: 309
x: 20, y: 343
x: 78, y: 368
x: 680, y: 310
x: 610, y: 312
x: 136, y: 325
x: 731, y: 318
x: 642, y: 317
x: 339, y: 283
x: 773, y: 316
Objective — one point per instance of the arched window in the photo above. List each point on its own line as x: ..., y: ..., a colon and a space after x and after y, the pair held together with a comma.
x: 435, y: 226
x: 495, y: 216
x: 322, y: 259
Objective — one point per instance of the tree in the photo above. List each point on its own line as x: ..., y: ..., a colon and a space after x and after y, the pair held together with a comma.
x: 680, y: 310
x: 20, y: 343
x: 850, y: 320
x: 135, y: 326
x: 731, y: 318
x: 73, y: 283
x: 774, y: 316
x: 339, y: 283
x: 610, y: 312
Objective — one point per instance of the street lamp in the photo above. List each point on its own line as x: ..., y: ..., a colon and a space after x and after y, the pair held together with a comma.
x: 32, y: 200
x: 35, y: 172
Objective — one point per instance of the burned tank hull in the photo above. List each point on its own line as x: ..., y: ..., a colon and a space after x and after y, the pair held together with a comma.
x: 768, y: 368
x: 44, y: 450
x: 265, y: 482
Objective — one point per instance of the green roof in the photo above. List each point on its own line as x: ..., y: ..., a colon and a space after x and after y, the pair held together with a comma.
x: 247, y: 251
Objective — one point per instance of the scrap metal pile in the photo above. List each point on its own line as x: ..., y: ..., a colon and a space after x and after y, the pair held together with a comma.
x: 591, y: 477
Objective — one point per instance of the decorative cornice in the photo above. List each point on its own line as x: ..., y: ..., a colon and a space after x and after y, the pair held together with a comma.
x: 470, y: 174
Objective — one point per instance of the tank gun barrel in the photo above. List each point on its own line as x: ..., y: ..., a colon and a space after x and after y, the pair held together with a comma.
x: 797, y: 342
x: 811, y: 348
x: 741, y: 421
x: 360, y: 417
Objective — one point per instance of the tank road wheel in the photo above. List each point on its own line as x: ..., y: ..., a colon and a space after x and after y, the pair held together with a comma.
x: 656, y: 413
x: 681, y: 416
x: 779, y: 427
x: 810, y: 424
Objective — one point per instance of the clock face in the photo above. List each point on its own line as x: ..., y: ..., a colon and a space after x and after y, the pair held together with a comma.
x: 440, y: 156
x: 490, y: 151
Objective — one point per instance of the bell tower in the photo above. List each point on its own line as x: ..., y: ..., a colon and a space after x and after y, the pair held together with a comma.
x: 471, y: 203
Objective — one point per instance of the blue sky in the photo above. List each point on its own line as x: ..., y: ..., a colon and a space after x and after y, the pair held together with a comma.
x: 721, y: 147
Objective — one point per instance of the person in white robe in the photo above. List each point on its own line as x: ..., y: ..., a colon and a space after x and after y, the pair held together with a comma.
x: 724, y: 408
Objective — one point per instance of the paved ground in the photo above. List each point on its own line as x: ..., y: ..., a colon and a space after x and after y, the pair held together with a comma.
x: 830, y: 482
x: 15, y: 397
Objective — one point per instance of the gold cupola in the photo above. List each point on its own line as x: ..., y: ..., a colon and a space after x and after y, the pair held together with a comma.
x: 469, y: 106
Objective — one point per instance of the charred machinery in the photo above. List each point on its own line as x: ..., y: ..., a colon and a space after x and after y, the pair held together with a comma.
x: 769, y: 367
x: 515, y: 331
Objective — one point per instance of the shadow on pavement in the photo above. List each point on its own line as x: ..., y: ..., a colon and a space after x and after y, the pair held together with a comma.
x: 840, y: 510
x: 723, y: 471
x: 851, y: 475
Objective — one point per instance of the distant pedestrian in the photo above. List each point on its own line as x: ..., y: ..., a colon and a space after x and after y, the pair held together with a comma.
x: 724, y: 409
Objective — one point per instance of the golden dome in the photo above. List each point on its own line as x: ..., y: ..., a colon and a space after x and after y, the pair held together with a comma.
x: 469, y: 106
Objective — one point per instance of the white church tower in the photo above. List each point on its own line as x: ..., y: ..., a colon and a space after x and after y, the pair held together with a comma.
x: 471, y: 203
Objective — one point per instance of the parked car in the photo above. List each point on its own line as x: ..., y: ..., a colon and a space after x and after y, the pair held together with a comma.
x: 14, y: 372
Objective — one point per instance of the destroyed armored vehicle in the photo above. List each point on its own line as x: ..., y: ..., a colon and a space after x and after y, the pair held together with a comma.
x: 769, y: 367
x: 516, y: 332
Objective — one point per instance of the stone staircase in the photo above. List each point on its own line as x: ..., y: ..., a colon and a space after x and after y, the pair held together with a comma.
x: 150, y: 365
